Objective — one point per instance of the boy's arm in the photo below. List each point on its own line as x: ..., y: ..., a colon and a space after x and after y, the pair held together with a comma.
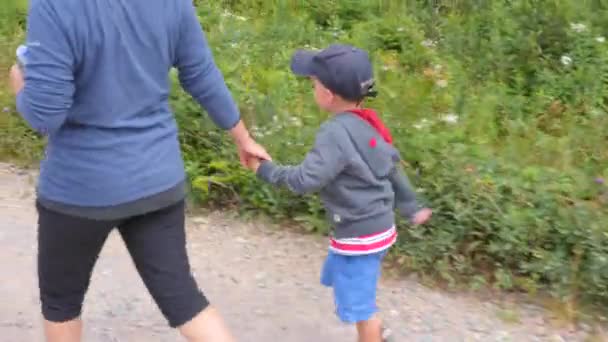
x: 322, y: 164
x: 405, y: 198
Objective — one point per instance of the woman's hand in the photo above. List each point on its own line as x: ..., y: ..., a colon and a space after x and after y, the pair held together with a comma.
x: 16, y: 79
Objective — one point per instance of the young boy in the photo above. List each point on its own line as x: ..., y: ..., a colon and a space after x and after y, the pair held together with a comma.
x: 356, y: 169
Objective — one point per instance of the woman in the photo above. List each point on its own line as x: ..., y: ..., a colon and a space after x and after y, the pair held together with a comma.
x: 95, y: 80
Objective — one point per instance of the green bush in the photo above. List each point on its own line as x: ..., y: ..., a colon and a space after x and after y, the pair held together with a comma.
x: 16, y: 141
x: 500, y: 108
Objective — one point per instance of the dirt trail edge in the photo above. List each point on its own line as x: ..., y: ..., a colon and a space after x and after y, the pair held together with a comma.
x: 264, y: 281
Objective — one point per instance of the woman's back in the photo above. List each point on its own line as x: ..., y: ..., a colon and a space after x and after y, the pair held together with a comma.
x: 97, y: 83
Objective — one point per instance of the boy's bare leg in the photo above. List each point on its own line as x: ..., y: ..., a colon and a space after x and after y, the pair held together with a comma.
x: 207, y: 326
x: 70, y: 331
x: 370, y: 330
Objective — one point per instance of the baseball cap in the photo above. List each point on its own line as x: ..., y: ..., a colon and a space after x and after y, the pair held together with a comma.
x: 344, y: 69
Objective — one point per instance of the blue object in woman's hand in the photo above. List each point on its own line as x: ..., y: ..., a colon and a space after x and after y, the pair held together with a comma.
x: 21, y: 56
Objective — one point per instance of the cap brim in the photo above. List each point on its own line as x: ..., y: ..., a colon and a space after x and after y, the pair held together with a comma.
x: 301, y: 63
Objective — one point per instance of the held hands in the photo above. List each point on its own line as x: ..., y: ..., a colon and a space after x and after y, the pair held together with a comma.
x: 249, y: 151
x: 422, y: 216
x: 250, y: 154
x: 254, y: 164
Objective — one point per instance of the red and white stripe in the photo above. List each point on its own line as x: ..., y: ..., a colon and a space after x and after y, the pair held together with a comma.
x: 362, y: 245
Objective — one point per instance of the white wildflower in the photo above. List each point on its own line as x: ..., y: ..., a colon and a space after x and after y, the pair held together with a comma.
x: 295, y: 121
x: 600, y: 39
x: 230, y: 14
x: 578, y: 27
x: 566, y: 60
x: 450, y: 118
x: 257, y: 132
x: 594, y: 112
x: 422, y: 124
x: 442, y: 83
x: 428, y: 43
x: 400, y: 29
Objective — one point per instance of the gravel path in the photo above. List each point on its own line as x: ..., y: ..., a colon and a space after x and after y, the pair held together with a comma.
x: 263, y: 280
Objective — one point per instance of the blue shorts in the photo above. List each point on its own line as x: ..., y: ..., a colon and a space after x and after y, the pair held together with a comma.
x: 354, y: 280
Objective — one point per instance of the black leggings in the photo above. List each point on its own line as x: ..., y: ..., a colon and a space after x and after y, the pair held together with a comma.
x: 69, y: 246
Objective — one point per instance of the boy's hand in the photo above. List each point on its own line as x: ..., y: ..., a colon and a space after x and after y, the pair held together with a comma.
x: 422, y: 216
x: 253, y: 164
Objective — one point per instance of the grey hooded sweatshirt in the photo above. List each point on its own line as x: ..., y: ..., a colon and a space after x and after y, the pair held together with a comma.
x: 360, y: 183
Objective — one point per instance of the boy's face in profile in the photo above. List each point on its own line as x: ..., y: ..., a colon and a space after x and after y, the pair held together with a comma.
x: 323, y: 96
